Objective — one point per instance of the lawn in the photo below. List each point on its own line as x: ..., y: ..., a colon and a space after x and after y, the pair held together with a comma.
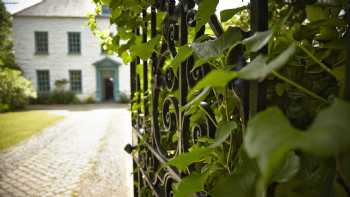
x: 18, y: 126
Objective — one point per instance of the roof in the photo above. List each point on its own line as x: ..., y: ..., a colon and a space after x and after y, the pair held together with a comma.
x: 108, y: 62
x: 59, y: 8
x: 14, y: 6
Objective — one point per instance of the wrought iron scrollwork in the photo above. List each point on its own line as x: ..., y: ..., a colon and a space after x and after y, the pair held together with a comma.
x: 172, y: 130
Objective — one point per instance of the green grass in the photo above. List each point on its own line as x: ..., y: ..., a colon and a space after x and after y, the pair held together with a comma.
x: 18, y: 126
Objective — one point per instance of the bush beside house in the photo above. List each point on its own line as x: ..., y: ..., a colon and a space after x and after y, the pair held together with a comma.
x: 15, y: 90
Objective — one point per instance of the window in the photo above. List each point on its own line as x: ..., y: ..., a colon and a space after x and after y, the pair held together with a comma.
x: 74, y: 43
x: 75, y: 80
x: 43, y: 79
x: 41, y: 42
x: 105, y: 11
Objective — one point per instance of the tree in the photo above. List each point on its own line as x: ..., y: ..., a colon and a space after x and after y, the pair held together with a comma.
x: 6, y: 52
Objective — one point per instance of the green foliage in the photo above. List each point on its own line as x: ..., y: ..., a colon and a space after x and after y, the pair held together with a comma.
x: 214, y: 48
x: 15, y: 90
x: 89, y: 100
x: 226, y: 15
x: 296, y: 147
x: 271, y: 144
x: 124, y: 98
x: 205, y: 9
x: 190, y: 185
x: 7, y: 58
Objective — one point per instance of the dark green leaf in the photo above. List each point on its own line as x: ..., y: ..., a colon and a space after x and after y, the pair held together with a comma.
x: 315, y: 13
x: 183, y: 53
x: 241, y: 183
x: 190, y: 185
x: 288, y: 169
x: 223, y: 131
x: 214, y: 48
x: 205, y: 9
x: 330, y: 133
x: 226, y: 15
x: 184, y: 160
x: 257, y: 41
x: 269, y: 138
x: 258, y: 69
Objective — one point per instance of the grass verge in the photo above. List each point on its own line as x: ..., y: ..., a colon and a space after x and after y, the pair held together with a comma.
x: 18, y: 126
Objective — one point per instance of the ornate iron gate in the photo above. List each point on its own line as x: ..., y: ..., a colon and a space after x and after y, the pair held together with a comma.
x: 159, y: 115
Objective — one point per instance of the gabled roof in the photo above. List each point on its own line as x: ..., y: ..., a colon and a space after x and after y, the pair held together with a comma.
x: 14, y: 6
x: 107, y: 62
x: 59, y: 8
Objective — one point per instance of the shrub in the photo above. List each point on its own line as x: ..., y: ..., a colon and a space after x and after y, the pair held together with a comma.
x: 15, y: 90
x: 124, y: 98
x: 89, y: 100
x: 62, y: 97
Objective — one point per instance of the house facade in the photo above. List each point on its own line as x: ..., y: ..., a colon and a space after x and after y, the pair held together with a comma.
x: 52, y: 42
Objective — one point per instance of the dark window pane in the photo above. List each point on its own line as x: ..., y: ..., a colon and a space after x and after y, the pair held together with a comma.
x: 74, y: 45
x: 41, y: 42
x: 75, y: 81
x: 43, y: 80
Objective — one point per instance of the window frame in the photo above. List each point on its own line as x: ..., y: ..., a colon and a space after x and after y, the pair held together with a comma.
x: 76, y: 46
x: 47, y: 87
x: 41, y: 43
x: 73, y: 82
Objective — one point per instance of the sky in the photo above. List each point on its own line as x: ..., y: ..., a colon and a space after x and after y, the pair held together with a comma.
x: 227, y: 4
x: 16, y: 5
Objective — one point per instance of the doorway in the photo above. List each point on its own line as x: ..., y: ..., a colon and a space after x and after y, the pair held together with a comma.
x: 108, y: 89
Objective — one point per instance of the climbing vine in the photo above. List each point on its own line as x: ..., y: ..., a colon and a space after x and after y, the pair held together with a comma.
x: 298, y: 146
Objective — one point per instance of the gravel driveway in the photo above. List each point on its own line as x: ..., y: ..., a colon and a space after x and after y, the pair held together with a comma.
x: 80, y: 156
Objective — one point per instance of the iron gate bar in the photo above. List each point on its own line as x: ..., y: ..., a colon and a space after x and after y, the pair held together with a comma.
x: 145, y: 65
x: 347, y: 69
x: 259, y: 22
x: 183, y: 85
x: 147, y: 179
x: 158, y: 156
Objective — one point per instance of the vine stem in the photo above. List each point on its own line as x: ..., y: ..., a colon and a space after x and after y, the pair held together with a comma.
x: 231, y: 136
x: 306, y: 91
x: 322, y: 65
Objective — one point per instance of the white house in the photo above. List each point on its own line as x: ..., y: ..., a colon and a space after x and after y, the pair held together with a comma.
x: 53, y: 42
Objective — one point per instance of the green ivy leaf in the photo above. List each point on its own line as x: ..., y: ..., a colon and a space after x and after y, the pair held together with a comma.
x: 226, y: 15
x: 214, y: 48
x: 205, y: 9
x: 241, y: 183
x: 144, y: 50
x: 257, y: 41
x: 258, y: 69
x: 315, y: 13
x: 223, y: 131
x: 288, y: 169
x: 190, y: 185
x: 270, y: 138
x: 182, y: 161
x: 183, y: 53
x: 330, y: 133
x: 216, y: 78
